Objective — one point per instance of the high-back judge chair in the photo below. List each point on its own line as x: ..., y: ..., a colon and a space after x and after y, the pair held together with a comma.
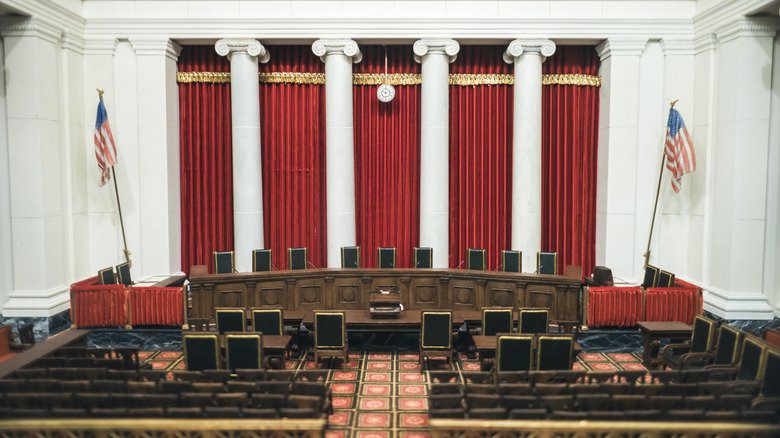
x: 230, y: 319
x: 514, y: 353
x: 436, y: 335
x: 123, y: 274
x: 533, y: 321
x: 297, y: 258
x: 385, y: 257
x: 350, y: 256
x: 224, y: 262
x: 201, y: 351
x: 423, y: 257
x: 475, y: 259
x: 511, y: 261
x: 330, y: 335
x: 496, y: 320
x: 554, y: 352
x: 268, y: 321
x: 262, y: 260
x: 702, y: 341
x: 106, y: 276
x: 547, y: 263
x: 243, y: 351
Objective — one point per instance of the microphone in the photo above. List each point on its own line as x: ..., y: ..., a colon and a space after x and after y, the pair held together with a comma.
x: 498, y: 267
x: 274, y: 266
x: 461, y: 264
x: 539, y: 269
x: 311, y: 264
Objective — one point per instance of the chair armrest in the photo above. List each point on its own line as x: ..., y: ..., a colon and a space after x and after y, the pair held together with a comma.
x: 692, y: 359
x: 18, y: 346
x: 669, y: 350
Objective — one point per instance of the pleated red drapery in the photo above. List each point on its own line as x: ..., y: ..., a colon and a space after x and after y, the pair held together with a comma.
x: 387, y: 159
x: 569, y: 159
x: 480, y: 158
x: 205, y: 160
x: 292, y: 132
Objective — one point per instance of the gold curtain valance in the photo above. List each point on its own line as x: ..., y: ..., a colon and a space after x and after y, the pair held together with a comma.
x: 392, y: 79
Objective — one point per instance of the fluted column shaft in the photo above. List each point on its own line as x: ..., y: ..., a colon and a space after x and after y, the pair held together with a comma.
x: 338, y: 56
x: 527, y: 57
x: 247, y: 165
x: 435, y: 57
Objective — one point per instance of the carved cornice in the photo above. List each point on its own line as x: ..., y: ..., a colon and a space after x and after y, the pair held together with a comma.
x: 621, y: 47
x: 542, y: 48
x: 346, y: 47
x: 101, y: 47
x: 705, y: 43
x: 671, y: 47
x: 749, y: 27
x: 252, y: 47
x: 427, y: 46
x: 30, y: 27
x: 73, y: 42
x: 156, y: 47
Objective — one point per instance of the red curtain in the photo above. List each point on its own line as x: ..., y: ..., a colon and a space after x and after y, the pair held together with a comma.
x: 205, y: 160
x: 569, y: 159
x: 292, y: 132
x: 387, y: 159
x: 480, y: 158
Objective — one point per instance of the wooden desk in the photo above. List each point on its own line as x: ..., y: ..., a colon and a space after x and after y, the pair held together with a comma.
x: 653, y: 331
x: 419, y: 289
x: 68, y: 338
x: 486, y: 347
x: 361, y: 320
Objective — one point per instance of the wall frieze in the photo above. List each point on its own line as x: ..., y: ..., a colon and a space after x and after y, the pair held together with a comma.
x: 426, y: 46
x: 101, y: 47
x: 749, y: 27
x: 621, y: 47
x: 30, y: 27
x: 672, y: 47
x: 345, y: 47
x: 392, y: 79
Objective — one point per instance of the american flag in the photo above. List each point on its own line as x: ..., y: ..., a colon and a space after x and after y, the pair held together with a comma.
x: 680, y: 157
x: 105, y: 151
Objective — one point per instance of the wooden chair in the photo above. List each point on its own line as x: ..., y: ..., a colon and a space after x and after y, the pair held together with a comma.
x: 262, y: 260
x: 201, y: 351
x: 224, y: 262
x: 350, y: 256
x: 751, y: 359
x: 386, y: 257
x: 497, y: 320
x: 702, y: 341
x: 511, y: 261
x: 533, y: 321
x: 554, y: 352
x: 436, y: 335
x: 268, y: 321
x: 514, y: 353
x: 106, y: 276
x: 769, y: 376
x: 547, y: 263
x: 297, y: 258
x: 423, y: 257
x: 230, y: 319
x: 243, y: 351
x: 652, y: 275
x: 476, y: 259
x: 123, y: 272
x: 330, y: 336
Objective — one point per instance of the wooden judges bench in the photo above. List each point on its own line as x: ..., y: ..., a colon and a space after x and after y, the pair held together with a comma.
x: 420, y: 289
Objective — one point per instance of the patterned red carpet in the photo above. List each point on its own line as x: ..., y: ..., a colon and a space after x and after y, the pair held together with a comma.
x: 383, y: 395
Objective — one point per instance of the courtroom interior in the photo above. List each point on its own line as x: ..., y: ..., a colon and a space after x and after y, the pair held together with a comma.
x: 389, y: 219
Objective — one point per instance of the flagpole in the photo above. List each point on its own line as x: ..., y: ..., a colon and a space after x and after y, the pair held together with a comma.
x: 119, y: 205
x: 657, y: 193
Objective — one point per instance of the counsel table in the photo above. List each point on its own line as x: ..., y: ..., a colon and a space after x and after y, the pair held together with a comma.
x: 654, y: 331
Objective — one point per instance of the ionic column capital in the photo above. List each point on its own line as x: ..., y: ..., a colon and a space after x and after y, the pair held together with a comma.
x: 542, y: 48
x: 428, y: 46
x: 229, y: 46
x: 346, y: 47
x: 621, y: 47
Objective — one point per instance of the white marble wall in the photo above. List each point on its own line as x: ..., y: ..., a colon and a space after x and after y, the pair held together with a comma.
x: 772, y: 254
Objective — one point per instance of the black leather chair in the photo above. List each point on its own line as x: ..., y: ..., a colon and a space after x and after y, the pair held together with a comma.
x: 436, y: 335
x: 106, y: 276
x: 702, y: 341
x: 497, y: 320
x: 350, y: 256
x: 268, y: 321
x: 297, y: 258
x: 423, y: 257
x: 262, y: 260
x: 512, y: 261
x: 533, y: 321
x: 386, y: 257
x: 547, y: 263
x: 554, y: 352
x: 201, y: 351
x: 224, y: 262
x: 514, y: 353
x: 123, y: 272
x: 230, y: 319
x: 330, y: 336
x: 243, y: 351
x: 476, y: 259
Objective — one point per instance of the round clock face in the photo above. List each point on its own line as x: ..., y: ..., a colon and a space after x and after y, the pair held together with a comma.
x: 385, y: 92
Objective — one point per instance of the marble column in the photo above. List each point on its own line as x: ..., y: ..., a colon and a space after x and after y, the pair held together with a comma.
x: 338, y: 56
x: 435, y: 55
x: 247, y: 166
x: 527, y: 57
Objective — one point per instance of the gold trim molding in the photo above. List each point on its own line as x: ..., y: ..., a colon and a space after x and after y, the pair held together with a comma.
x: 463, y: 80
